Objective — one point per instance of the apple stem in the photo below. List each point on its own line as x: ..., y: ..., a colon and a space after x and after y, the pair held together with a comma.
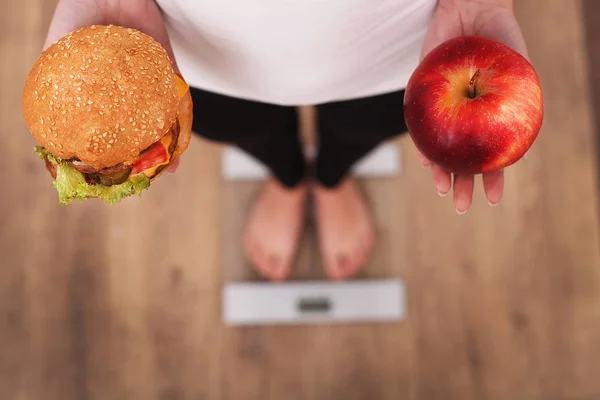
x: 472, y: 92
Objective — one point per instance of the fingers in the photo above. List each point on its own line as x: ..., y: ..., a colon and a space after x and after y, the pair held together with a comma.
x: 441, y: 180
x: 441, y: 177
x: 424, y: 160
x: 493, y: 186
x: 463, y: 192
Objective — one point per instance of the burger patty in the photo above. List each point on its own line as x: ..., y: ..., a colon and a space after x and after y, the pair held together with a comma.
x: 86, y: 169
x: 117, y: 173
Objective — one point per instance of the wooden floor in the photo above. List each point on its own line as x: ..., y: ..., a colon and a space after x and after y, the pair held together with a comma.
x: 123, y: 302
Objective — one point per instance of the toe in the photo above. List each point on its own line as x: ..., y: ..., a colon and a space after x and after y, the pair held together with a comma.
x: 276, y: 267
x: 284, y: 271
x: 338, y: 266
x: 359, y: 255
x: 348, y: 264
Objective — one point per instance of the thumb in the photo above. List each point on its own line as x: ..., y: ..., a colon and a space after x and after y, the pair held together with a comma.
x: 173, y: 167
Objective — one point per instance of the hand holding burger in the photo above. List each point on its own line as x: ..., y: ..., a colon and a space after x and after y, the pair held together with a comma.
x: 109, y: 112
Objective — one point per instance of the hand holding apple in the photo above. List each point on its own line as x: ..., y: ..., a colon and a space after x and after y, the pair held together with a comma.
x: 474, y: 105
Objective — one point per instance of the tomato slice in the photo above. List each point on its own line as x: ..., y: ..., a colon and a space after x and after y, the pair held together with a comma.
x: 156, y: 155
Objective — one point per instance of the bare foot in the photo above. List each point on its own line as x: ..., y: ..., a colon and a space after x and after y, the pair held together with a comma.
x: 346, y: 232
x: 273, y: 229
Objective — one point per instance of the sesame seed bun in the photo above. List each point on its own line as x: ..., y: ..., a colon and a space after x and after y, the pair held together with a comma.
x: 101, y: 94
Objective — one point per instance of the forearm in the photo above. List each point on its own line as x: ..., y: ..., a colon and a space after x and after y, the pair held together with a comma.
x: 143, y: 15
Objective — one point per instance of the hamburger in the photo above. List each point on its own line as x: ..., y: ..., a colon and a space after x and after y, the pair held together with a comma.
x: 108, y: 111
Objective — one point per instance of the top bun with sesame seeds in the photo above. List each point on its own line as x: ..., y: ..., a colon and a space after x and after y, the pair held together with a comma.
x: 101, y: 99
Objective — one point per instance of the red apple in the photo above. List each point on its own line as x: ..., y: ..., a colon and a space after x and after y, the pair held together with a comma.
x: 473, y: 105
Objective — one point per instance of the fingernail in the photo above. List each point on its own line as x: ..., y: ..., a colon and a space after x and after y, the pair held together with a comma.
x: 461, y: 212
x: 442, y: 194
x: 492, y: 204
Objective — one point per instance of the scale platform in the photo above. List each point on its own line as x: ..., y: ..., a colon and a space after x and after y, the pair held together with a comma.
x: 382, y: 161
x: 257, y: 303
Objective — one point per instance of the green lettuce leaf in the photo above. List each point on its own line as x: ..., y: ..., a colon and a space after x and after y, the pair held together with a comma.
x: 71, y: 184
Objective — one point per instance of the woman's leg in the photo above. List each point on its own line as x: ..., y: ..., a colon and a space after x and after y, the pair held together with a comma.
x: 268, y: 133
x: 348, y: 130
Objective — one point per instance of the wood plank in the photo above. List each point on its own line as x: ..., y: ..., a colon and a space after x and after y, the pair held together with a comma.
x: 591, y: 22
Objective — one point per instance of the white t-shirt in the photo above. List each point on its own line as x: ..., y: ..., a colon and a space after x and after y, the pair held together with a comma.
x: 297, y: 52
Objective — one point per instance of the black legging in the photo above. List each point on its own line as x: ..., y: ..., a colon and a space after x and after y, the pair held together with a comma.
x: 347, y: 131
